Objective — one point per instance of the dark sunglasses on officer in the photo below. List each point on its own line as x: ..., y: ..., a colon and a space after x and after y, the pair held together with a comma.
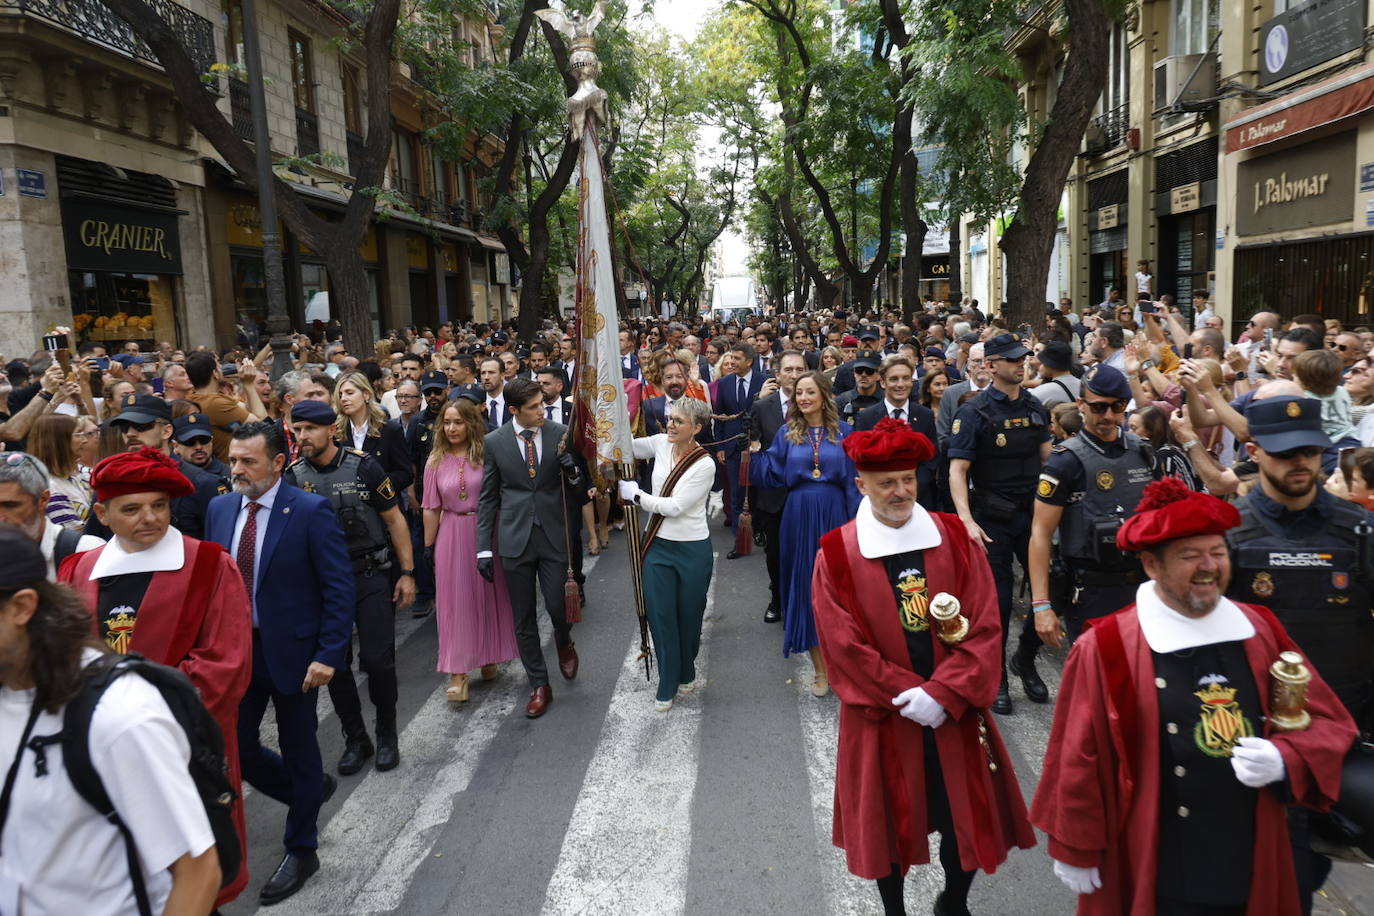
x: 1101, y: 407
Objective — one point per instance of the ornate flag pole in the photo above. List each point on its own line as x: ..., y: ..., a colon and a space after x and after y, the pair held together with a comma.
x: 602, y: 422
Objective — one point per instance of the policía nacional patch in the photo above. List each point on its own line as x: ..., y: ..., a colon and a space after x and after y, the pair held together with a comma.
x: 955, y: 427
x: 1105, y: 480
x: 1262, y: 585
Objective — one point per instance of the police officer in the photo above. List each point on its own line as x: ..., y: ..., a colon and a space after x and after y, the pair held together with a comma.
x: 369, y: 512
x: 146, y: 420
x: 1090, y: 484
x: 1305, y: 555
x: 192, y: 442
x: 1000, y: 439
x: 866, y: 391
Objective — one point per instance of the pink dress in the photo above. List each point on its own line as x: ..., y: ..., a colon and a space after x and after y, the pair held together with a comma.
x: 476, y: 625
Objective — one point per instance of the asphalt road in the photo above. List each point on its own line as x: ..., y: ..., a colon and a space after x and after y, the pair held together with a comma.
x: 603, y: 806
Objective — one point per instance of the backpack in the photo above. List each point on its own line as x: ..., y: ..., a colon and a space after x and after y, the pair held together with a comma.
x: 208, y: 767
x: 64, y: 546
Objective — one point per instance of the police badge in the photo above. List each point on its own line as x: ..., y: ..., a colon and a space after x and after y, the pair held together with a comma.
x: 1105, y: 480
x: 1263, y: 585
x: 1001, y: 440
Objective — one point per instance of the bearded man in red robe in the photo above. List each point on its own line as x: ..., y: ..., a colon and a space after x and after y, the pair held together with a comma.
x: 173, y: 599
x: 918, y: 750
x: 1166, y: 778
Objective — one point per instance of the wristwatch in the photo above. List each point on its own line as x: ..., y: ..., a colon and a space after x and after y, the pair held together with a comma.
x: 1147, y: 365
x: 1241, y: 375
x: 408, y: 572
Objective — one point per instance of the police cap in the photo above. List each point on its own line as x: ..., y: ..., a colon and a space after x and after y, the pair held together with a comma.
x: 317, y: 412
x: 433, y: 380
x: 1005, y: 346
x: 191, y: 426
x: 143, y: 408
x: 1107, y: 381
x: 1280, y: 424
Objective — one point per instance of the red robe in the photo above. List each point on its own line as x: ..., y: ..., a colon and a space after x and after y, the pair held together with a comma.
x: 212, y: 643
x: 1098, y: 797
x: 880, y: 798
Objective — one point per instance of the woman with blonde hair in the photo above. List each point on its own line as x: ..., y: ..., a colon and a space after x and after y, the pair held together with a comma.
x: 807, y: 459
x: 69, y: 498
x: 474, y: 616
x: 362, y: 424
x: 86, y: 445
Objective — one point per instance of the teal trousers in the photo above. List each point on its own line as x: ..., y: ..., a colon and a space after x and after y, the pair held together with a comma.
x: 677, y: 575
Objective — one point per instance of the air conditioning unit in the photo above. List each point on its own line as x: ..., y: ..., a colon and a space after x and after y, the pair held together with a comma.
x: 1188, y: 81
x: 1094, y: 140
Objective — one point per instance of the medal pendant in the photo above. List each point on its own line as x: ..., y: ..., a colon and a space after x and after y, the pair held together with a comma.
x: 532, y: 472
x: 816, y: 473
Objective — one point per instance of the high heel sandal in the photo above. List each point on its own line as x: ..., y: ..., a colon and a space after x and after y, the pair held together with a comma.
x: 458, y: 692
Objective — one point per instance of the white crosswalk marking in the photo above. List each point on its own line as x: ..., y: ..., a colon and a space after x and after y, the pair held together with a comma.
x: 626, y: 849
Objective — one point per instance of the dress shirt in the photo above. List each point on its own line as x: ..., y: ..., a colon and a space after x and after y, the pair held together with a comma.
x: 683, y: 510
x: 500, y: 401
x: 359, y: 435
x: 786, y: 402
x: 554, y: 412
x: 264, y: 502
x: 904, y: 408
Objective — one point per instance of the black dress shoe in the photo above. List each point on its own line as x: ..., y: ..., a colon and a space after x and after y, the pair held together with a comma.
x: 355, y: 753
x: 331, y: 785
x: 388, y: 755
x: 421, y: 608
x: 295, y: 869
x: 1036, y: 691
x: 772, y: 615
x: 945, y: 906
x: 1002, y: 705
x: 733, y: 555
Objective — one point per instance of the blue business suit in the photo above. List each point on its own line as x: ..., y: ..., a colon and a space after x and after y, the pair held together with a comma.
x: 303, y: 602
x: 730, y: 403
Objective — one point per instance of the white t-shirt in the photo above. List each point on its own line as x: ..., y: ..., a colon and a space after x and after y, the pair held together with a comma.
x: 64, y: 857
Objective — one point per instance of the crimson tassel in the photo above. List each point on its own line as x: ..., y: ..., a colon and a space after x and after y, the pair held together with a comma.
x: 744, y: 468
x: 744, y: 534
x: 572, y: 600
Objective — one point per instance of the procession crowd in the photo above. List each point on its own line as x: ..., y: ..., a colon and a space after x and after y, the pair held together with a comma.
x: 921, y: 490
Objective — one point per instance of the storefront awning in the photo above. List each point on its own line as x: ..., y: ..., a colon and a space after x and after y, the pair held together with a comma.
x: 491, y: 243
x: 1325, y: 103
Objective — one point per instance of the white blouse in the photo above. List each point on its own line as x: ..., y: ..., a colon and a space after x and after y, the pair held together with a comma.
x: 684, y: 510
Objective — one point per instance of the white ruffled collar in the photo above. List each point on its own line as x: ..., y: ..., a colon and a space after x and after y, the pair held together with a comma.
x: 1166, y: 630
x: 167, y: 555
x: 879, y: 540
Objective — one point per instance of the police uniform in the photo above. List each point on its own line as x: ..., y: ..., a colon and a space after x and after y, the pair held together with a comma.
x: 1312, y: 568
x: 1098, y: 484
x: 197, y: 426
x: 360, y: 491
x: 1001, y: 438
x: 851, y: 402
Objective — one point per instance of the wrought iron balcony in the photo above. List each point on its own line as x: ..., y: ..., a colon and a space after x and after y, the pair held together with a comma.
x: 93, y: 21
x: 307, y: 133
x: 241, y: 109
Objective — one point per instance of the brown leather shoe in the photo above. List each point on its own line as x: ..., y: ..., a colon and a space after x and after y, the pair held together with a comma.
x: 567, y: 662
x: 539, y: 702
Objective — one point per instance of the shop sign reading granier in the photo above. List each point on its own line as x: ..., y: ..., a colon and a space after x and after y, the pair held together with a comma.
x: 122, y: 239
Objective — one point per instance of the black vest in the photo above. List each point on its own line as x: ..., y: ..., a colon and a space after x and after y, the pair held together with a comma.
x: 1112, y: 489
x: 1319, y: 588
x: 362, y: 525
x: 1008, y: 445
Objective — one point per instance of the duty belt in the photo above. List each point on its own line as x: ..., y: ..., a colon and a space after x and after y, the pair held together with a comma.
x: 372, y: 562
x: 1086, y: 575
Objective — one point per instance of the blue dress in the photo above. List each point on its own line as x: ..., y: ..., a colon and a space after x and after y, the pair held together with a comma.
x: 814, y: 506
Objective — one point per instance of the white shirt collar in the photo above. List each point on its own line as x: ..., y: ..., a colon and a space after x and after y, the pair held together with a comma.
x: 879, y: 540
x: 1166, y: 630
x: 891, y: 407
x: 974, y: 386
x: 166, y: 555
x: 520, y: 429
x: 264, y: 501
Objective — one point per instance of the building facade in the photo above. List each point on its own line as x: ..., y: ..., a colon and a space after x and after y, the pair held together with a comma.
x: 119, y: 220
x: 1232, y: 150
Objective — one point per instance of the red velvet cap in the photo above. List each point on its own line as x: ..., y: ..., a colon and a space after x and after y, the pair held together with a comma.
x: 1168, y: 511
x: 146, y: 470
x: 891, y: 445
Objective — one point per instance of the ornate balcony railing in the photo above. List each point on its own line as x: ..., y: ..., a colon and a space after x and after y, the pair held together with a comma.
x: 241, y: 109
x: 307, y: 133
x: 1112, y: 125
x: 93, y: 21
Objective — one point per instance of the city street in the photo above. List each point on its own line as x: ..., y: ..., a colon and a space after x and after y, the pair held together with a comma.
x: 605, y: 807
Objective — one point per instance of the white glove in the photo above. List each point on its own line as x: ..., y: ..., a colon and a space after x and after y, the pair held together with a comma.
x: 629, y: 490
x: 1078, y: 880
x: 1257, y: 762
x: 920, y: 707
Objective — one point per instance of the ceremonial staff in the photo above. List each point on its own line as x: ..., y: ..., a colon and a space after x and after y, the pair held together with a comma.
x: 602, y: 417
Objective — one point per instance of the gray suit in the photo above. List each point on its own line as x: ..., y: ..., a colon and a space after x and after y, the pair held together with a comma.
x: 949, y: 406
x: 531, y: 539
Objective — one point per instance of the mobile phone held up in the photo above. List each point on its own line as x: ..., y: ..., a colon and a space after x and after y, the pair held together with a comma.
x: 57, y: 345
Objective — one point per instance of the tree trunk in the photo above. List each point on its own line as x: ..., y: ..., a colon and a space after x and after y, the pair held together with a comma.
x: 1028, y: 242
x: 531, y: 294
x: 348, y: 299
x: 915, y: 228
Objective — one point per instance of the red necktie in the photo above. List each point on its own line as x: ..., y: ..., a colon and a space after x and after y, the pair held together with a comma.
x: 248, y: 548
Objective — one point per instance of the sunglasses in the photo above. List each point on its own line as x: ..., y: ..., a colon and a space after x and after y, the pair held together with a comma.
x: 197, y: 441
x: 1343, y: 347
x: 862, y: 370
x: 14, y: 459
x: 1101, y: 407
x: 1305, y: 451
x: 138, y: 427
